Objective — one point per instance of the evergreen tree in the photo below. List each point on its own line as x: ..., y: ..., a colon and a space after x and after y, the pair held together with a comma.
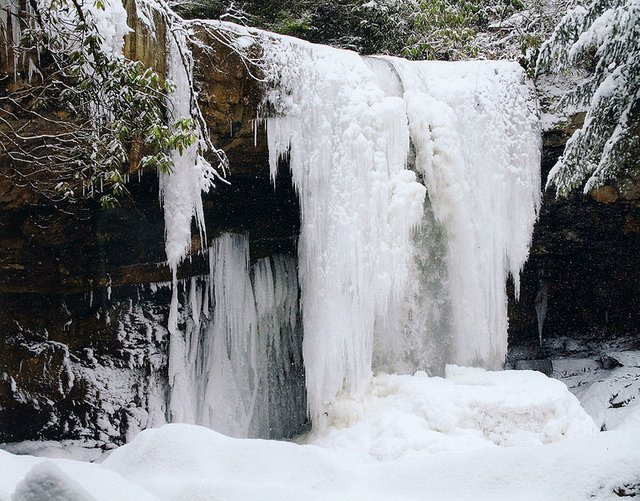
x: 602, y: 39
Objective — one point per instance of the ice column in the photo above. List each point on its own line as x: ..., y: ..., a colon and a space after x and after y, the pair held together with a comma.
x: 477, y: 142
x: 181, y: 198
x: 240, y: 363
x: 347, y: 143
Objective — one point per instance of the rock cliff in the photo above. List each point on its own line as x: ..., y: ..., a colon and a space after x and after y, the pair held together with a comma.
x: 581, y: 285
x: 84, y: 350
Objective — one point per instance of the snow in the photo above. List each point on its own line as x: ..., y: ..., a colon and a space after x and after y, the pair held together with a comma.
x: 216, y: 466
x: 503, y: 435
x: 111, y: 22
x: 81, y: 450
x: 28, y: 475
x: 608, y: 388
x: 471, y: 408
x: 47, y: 481
x: 630, y: 358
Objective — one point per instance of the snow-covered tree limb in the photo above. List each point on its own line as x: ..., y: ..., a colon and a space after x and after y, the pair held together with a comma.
x: 604, y: 39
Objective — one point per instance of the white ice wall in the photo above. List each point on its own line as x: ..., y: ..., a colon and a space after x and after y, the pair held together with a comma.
x: 390, y: 280
x: 347, y: 143
x: 474, y: 128
x: 345, y: 124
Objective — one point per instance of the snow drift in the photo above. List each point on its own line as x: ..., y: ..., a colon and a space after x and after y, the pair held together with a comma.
x: 462, y: 437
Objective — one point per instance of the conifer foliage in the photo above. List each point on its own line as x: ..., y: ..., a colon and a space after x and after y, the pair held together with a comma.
x: 603, y: 40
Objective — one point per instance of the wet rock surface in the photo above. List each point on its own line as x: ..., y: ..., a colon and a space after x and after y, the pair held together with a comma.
x: 582, y: 280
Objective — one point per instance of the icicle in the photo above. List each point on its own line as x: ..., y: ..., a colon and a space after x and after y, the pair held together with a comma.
x: 347, y: 144
x: 14, y: 16
x: 224, y: 372
x: 542, y: 298
x: 181, y: 198
x: 180, y: 190
x: 194, y: 304
x: 344, y: 124
x: 255, y: 132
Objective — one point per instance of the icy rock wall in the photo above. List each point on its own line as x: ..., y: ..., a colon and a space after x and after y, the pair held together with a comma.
x: 345, y: 124
x: 235, y: 363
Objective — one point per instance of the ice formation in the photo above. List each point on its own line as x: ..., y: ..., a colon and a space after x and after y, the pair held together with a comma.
x: 474, y: 127
x: 347, y: 143
x: 233, y: 369
x: 181, y: 196
x: 391, y: 279
x: 110, y: 21
x: 346, y: 125
x: 181, y: 189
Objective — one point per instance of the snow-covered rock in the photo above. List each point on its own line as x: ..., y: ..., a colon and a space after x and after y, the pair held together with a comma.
x: 469, y: 409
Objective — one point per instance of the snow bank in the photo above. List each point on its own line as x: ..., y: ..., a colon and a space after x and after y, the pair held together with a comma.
x: 26, y: 476
x: 613, y: 399
x: 47, y: 481
x: 213, y: 466
x: 184, y: 462
x: 472, y: 408
x: 410, y: 437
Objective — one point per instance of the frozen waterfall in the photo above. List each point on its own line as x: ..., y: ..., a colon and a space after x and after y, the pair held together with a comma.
x: 237, y: 366
x: 387, y: 275
x: 419, y: 185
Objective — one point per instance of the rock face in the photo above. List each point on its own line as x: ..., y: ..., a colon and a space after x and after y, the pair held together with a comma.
x: 84, y: 350
x: 581, y: 285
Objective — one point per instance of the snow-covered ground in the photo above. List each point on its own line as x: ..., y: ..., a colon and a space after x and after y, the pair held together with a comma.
x: 471, y: 435
x: 608, y: 387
